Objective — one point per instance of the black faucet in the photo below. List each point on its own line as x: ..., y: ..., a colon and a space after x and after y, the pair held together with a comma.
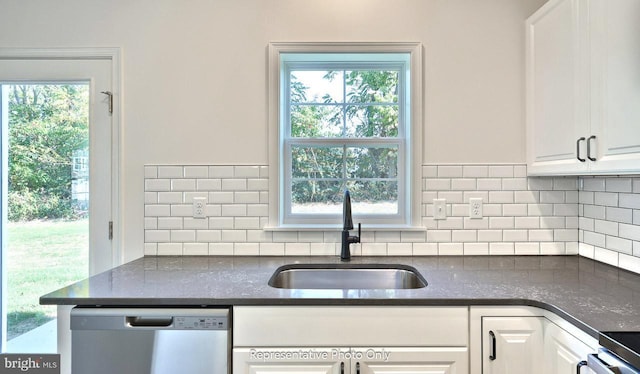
x: 345, y: 254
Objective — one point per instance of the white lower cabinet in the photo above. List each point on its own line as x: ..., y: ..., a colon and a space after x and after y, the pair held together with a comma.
x: 512, y: 345
x: 525, y: 340
x: 563, y: 351
x: 350, y: 340
x: 360, y: 360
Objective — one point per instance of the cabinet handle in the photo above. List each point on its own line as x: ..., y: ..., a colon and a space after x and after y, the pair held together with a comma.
x: 580, y: 365
x: 589, y: 148
x: 357, y: 368
x: 492, y: 356
x: 342, y: 368
x: 578, y: 149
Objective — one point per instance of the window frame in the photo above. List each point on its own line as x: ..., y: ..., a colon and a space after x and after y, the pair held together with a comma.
x: 409, y: 184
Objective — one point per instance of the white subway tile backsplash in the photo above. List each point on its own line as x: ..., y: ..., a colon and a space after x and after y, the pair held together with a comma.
x: 514, y: 184
x: 594, y: 184
x: 429, y: 171
x: 503, y: 197
x: 170, y: 249
x: 522, y: 215
x: 527, y: 248
x: 234, y: 184
x: 257, y: 184
x: 271, y: 249
x: 606, y: 227
x: 489, y: 235
x: 501, y: 248
x: 629, y: 231
x: 595, y: 239
x: 150, y: 198
x: 246, y: 249
x: 157, y: 210
x: 221, y: 172
x: 183, y: 185
x: 170, y: 172
x: 150, y: 172
x: 555, y: 248
x: 606, y: 256
x: 501, y: 171
x: 437, y: 184
x: 519, y: 210
x: 297, y: 249
x: 425, y: 249
x: 157, y: 185
x: 619, y: 244
x: 195, y: 249
x: 463, y: 184
x: 552, y: 197
x: 475, y: 249
x: 464, y: 236
x: 552, y: 222
x: 169, y: 197
x: 489, y: 184
x: 606, y: 198
x: 400, y: 249
x: 526, y: 197
x: 501, y: 222
x: 472, y: 224
x: 628, y: 200
x: 196, y: 171
x: 475, y: 171
x: 208, y: 236
x: 169, y: 223
x: 448, y: 171
x: 246, y: 171
x: 618, y: 184
x: 209, y: 184
x: 438, y: 236
x: 515, y: 235
x: 566, y: 184
x: 450, y: 249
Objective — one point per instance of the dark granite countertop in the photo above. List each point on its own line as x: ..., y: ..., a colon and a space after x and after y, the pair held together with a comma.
x: 593, y: 296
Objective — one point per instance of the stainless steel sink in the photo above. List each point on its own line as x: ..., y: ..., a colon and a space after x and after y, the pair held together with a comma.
x: 347, y: 276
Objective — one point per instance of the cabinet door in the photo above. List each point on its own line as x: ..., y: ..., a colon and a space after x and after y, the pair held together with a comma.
x: 615, y: 79
x: 556, y: 113
x: 437, y: 360
x: 287, y: 360
x: 512, y: 345
x: 563, y: 351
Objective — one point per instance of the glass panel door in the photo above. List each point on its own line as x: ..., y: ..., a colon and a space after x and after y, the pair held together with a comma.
x: 56, y: 133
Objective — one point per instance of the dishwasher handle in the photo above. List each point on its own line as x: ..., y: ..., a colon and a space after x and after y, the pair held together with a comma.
x: 149, y: 321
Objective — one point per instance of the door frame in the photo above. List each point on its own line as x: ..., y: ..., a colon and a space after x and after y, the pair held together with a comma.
x: 114, y: 55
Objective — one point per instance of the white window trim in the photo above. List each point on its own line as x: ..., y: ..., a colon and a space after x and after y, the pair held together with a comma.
x: 414, y: 156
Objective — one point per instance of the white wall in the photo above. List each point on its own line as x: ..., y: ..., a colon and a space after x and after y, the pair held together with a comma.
x: 194, y: 72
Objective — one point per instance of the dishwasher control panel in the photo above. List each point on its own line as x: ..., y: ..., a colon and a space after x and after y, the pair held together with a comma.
x: 200, y: 323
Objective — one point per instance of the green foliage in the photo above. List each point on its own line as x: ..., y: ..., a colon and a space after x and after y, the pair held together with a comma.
x: 370, y: 110
x: 47, y: 123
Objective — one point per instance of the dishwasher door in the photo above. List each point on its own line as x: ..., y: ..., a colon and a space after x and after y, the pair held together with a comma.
x: 150, y: 340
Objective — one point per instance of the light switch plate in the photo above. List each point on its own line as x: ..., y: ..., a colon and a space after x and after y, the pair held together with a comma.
x: 439, y: 208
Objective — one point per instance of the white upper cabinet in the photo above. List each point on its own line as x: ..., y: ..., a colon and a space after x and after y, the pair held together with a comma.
x: 615, y: 84
x: 583, y: 87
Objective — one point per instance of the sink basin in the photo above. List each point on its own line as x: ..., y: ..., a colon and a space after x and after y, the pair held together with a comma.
x: 347, y: 276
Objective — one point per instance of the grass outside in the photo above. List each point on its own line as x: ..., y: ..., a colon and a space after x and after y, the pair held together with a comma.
x: 42, y: 256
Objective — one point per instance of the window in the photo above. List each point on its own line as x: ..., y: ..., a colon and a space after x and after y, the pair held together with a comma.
x: 345, y: 116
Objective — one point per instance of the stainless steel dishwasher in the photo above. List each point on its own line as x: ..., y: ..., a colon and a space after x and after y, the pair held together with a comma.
x: 150, y: 340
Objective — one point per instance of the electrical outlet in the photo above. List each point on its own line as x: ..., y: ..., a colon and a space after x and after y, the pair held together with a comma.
x: 475, y: 207
x: 439, y: 208
x: 199, y: 206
